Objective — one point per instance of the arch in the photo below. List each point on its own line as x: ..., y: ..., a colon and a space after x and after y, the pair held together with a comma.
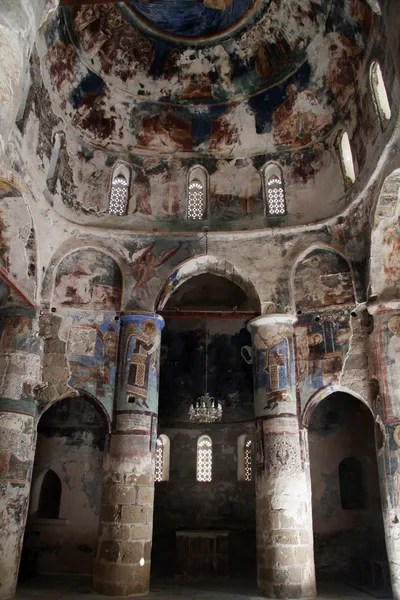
x: 162, y: 458
x: 119, y: 190
x: 244, y: 457
x: 340, y: 266
x: 88, y: 278
x: 204, y: 459
x: 49, y: 496
x: 204, y: 264
x: 197, y: 193
x: 86, y: 396
x: 323, y: 393
x: 346, y: 158
x: 379, y: 94
x: 274, y: 190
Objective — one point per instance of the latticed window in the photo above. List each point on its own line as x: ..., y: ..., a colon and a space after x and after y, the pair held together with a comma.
x: 248, y: 469
x: 204, y: 459
x: 119, y: 195
x: 196, y: 201
x: 275, y: 196
x: 159, y: 471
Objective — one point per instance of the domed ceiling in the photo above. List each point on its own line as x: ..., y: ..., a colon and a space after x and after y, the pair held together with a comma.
x: 220, y: 77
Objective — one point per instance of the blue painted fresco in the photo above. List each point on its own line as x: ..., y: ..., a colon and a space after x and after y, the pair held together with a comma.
x: 191, y: 18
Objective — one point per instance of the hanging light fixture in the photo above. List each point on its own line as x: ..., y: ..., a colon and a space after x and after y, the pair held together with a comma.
x: 206, y: 409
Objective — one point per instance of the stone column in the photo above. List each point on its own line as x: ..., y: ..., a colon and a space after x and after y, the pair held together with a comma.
x: 385, y: 370
x: 19, y: 21
x: 126, y: 520
x: 19, y: 373
x: 285, y: 559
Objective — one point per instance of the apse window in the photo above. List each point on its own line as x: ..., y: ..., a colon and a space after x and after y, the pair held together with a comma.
x: 245, y: 458
x: 204, y: 458
x: 351, y: 483
x: 162, y: 459
x: 274, y: 190
x: 346, y: 159
x: 119, y: 191
x: 197, y: 194
x: 379, y: 94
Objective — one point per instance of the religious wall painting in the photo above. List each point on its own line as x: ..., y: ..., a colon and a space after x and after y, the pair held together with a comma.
x: 89, y: 279
x: 391, y: 336
x: 321, y: 348
x: 16, y: 447
x: 17, y: 334
x: 393, y: 481
x: 92, y: 356
x: 322, y: 279
x: 274, y: 371
x: 139, y: 382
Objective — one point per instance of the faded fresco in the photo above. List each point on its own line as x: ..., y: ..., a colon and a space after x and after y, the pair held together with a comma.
x: 16, y: 447
x: 17, y: 334
x: 393, y: 433
x: 88, y: 279
x: 138, y: 389
x: 322, y: 279
x: 92, y: 349
x: 273, y: 363
x: 17, y: 238
x: 321, y: 349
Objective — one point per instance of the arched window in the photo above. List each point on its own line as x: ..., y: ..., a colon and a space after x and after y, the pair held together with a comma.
x: 119, y: 191
x: 197, y: 194
x: 50, y: 496
x: 346, y: 159
x: 52, y: 173
x: 162, y: 459
x: 245, y: 458
x: 379, y: 94
x: 351, y: 482
x: 204, y: 458
x: 274, y: 191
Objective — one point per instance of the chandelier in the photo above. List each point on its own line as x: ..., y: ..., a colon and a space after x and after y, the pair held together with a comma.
x: 206, y: 409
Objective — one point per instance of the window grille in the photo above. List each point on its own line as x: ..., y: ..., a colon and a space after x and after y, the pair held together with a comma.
x: 119, y: 196
x: 159, y: 470
x: 275, y: 196
x: 204, y: 459
x: 248, y: 468
x: 196, y: 201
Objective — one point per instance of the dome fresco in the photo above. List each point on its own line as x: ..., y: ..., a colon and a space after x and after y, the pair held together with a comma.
x: 190, y: 18
x: 269, y: 80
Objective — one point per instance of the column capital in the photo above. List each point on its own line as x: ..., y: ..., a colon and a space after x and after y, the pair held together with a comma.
x: 273, y: 318
x: 142, y: 316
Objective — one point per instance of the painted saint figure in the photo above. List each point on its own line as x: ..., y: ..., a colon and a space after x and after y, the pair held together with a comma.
x: 139, y: 363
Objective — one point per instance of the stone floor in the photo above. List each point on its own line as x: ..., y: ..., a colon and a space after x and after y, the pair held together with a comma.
x: 61, y: 588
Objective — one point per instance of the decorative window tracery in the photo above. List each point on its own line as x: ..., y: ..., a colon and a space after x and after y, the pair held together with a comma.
x: 379, y: 94
x: 197, y: 194
x: 162, y: 459
x: 204, y: 458
x: 274, y: 190
x: 248, y: 466
x: 119, y: 192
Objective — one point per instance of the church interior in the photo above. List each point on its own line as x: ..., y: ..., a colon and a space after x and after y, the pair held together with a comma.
x: 200, y: 299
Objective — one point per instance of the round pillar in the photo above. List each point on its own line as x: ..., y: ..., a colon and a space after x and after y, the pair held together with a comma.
x: 285, y: 559
x: 385, y: 369
x: 126, y: 521
x: 17, y: 451
x: 19, y: 20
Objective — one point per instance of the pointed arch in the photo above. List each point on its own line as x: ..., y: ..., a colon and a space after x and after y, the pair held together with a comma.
x: 197, y: 193
x: 379, y: 94
x: 119, y: 190
x: 274, y: 190
x: 204, y: 459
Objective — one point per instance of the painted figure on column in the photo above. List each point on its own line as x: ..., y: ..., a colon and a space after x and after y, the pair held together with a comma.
x: 145, y: 343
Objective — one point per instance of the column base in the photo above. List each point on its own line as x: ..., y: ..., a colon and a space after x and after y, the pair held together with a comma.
x: 121, y: 580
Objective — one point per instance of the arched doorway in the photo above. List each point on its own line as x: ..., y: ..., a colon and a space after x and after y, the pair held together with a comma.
x: 62, y: 525
x: 204, y: 512
x: 349, y: 542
